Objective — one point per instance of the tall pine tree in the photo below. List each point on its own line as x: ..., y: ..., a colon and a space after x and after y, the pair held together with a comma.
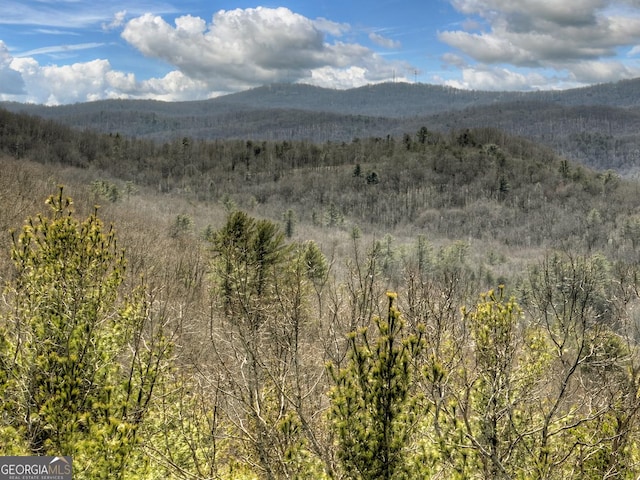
x: 78, y: 374
x: 372, y: 401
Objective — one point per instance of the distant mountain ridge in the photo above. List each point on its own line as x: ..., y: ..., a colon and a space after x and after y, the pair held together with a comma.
x: 401, y: 100
x: 397, y: 100
x: 598, y: 125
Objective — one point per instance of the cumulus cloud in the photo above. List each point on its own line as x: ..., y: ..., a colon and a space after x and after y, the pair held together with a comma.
x: 576, y: 12
x: 95, y: 80
x: 62, y: 84
x: 89, y: 81
x: 337, y: 78
x: 601, y: 72
x: 11, y: 82
x: 497, y: 79
x: 248, y: 47
x: 578, y: 38
x: 238, y: 49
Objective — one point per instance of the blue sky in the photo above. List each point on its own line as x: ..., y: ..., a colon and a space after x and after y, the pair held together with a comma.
x: 56, y: 52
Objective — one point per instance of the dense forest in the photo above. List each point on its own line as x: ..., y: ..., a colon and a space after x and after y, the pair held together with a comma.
x: 430, y: 304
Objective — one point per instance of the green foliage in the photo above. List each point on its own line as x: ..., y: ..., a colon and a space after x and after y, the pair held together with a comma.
x: 571, y: 303
x: 182, y: 225
x: 187, y: 435
x: 228, y: 203
x: 496, y: 397
x: 12, y: 434
x: 248, y: 250
x: 372, y: 402
x: 315, y: 262
x: 108, y: 190
x: 67, y: 274
x: 259, y: 287
x: 289, y: 223
x: 70, y: 388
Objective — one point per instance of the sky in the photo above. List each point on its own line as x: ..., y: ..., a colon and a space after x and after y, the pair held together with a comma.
x: 70, y: 51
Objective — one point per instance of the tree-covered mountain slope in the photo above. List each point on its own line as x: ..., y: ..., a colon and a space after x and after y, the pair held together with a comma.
x: 596, y: 126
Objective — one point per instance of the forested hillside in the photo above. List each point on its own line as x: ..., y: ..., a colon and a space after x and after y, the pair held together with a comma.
x: 431, y: 304
x: 596, y: 126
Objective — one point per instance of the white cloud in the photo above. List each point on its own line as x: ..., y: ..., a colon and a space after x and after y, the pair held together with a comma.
x: 251, y: 47
x: 88, y: 81
x: 60, y: 49
x: 488, y: 48
x: 332, y: 28
x: 575, y: 39
x: 498, y: 79
x: 175, y: 86
x: 81, y: 82
x: 50, y: 31
x: 239, y: 49
x: 117, y: 22
x: 602, y: 72
x: 327, y: 77
x: 53, y: 14
x: 11, y: 82
x: 576, y: 12
x: 64, y: 84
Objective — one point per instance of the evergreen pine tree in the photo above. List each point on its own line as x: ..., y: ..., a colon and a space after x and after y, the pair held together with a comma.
x: 79, y: 372
x: 372, y: 402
